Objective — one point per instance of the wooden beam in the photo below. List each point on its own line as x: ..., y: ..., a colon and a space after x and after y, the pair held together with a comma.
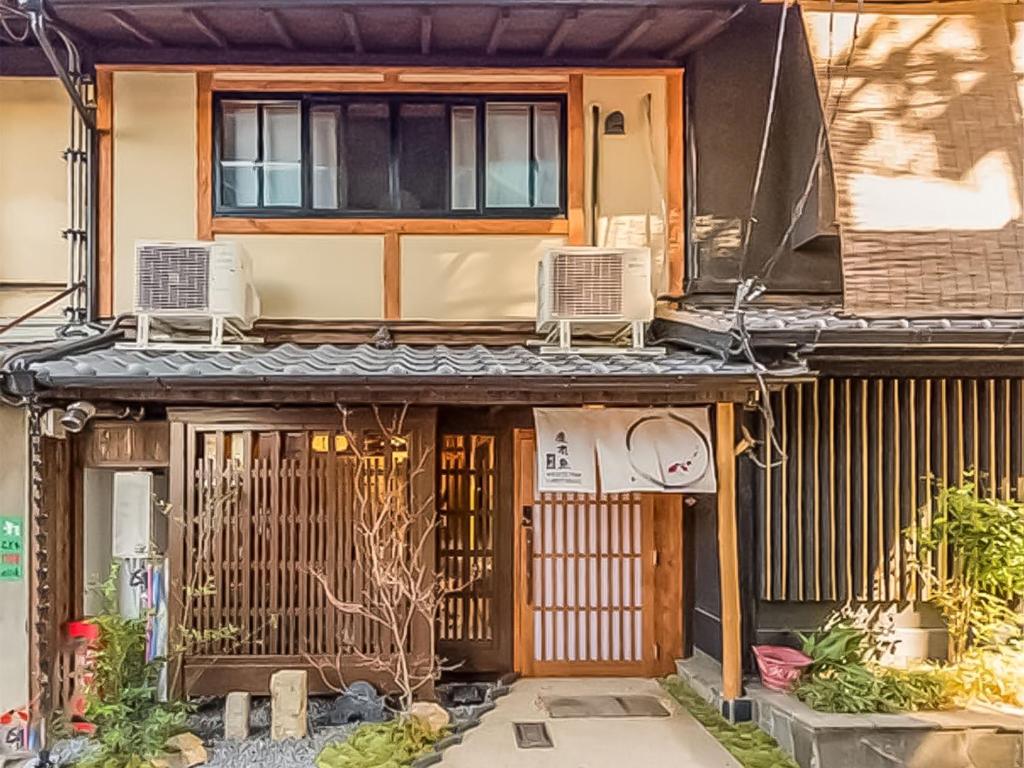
x: 561, y: 32
x: 105, y: 193
x: 728, y: 552
x: 644, y: 23
x: 675, y: 229
x: 576, y: 163
x: 127, y: 22
x: 204, y: 25
x: 352, y: 25
x: 426, y: 29
x: 392, y: 83
x: 204, y: 156
x: 392, y: 276
x: 230, y: 225
x: 500, y: 24
x: 277, y: 23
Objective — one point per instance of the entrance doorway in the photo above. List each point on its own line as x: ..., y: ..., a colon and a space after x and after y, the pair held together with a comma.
x: 598, y: 581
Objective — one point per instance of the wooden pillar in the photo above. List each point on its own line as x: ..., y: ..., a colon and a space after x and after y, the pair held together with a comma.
x: 728, y: 553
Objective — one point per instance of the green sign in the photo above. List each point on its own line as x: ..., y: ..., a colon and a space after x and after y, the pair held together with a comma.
x: 12, y: 548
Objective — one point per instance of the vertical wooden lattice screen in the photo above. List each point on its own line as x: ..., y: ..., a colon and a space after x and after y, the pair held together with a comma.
x: 465, y: 538
x: 857, y: 474
x: 263, y: 511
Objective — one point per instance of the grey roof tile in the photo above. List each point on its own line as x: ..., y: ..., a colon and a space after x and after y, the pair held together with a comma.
x: 365, y: 361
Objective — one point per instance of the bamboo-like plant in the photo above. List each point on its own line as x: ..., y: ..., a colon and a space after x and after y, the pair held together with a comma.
x: 981, y: 596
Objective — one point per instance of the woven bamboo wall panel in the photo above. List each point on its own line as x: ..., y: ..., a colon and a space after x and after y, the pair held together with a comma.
x: 860, y: 461
x: 927, y: 147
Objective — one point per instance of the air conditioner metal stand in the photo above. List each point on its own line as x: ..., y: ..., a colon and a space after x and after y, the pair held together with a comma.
x: 563, y: 329
x: 219, y: 327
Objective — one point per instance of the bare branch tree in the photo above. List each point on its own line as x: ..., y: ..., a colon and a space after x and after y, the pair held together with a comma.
x: 401, y: 590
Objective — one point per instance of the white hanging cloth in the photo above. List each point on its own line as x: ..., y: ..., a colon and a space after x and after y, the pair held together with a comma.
x: 565, y: 450
x: 660, y: 450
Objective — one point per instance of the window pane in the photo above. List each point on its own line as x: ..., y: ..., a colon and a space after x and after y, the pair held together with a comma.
x: 366, y: 143
x: 282, y: 184
x: 508, y: 155
x: 239, y: 184
x: 324, y: 123
x: 547, y: 151
x: 281, y: 134
x: 463, y: 158
x: 423, y: 157
x: 238, y: 131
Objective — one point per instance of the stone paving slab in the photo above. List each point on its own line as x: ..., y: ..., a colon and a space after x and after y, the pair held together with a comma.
x: 651, y: 742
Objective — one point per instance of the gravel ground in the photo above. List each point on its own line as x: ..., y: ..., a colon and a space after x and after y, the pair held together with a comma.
x: 259, y: 750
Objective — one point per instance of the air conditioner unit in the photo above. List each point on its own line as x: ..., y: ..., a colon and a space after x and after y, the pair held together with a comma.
x: 583, y: 284
x: 194, y: 280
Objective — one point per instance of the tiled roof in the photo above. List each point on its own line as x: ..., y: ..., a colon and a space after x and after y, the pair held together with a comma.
x: 353, y: 363
x: 766, y: 320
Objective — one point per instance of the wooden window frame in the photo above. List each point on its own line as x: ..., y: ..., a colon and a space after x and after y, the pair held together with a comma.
x: 306, y: 100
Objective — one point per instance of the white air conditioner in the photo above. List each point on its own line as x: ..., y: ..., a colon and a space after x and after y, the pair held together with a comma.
x: 584, y: 284
x: 194, y: 280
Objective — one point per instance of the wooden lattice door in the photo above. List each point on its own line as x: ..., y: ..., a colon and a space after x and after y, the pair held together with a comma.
x: 595, y: 594
x: 474, y: 550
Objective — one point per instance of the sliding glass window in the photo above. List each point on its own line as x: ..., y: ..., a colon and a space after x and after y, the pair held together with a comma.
x: 389, y: 155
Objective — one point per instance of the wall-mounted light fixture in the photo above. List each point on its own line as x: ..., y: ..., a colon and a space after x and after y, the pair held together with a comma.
x: 615, y: 124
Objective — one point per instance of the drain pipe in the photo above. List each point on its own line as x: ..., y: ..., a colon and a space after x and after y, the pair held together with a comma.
x: 36, y: 15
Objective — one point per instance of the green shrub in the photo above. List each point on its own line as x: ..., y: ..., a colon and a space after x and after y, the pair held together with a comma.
x: 846, y: 676
x: 131, y: 724
x: 385, y: 745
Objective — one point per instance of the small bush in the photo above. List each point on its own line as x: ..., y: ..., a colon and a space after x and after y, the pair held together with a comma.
x: 385, y: 745
x: 131, y: 724
x: 845, y: 675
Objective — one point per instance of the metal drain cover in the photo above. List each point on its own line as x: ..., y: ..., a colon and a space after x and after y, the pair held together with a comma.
x: 532, y: 736
x: 604, y: 706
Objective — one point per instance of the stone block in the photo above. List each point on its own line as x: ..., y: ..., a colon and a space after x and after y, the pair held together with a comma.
x: 288, y: 702
x: 359, y: 703
x: 433, y: 716
x: 236, y: 715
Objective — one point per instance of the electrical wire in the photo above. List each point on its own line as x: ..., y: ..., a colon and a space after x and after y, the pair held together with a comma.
x: 766, y: 132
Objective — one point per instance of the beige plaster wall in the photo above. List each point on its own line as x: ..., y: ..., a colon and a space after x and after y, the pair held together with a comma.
x: 154, y: 167
x: 317, y: 277
x: 632, y: 169
x: 14, y: 594
x: 34, y: 118
x: 465, y: 277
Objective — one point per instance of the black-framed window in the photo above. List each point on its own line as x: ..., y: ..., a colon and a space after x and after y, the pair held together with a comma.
x: 379, y: 155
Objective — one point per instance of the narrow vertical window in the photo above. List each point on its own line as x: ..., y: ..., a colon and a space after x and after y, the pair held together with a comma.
x: 508, y: 155
x: 365, y: 158
x: 547, y: 151
x: 325, y: 131
x: 282, y: 155
x: 240, y: 155
x: 463, y: 171
x: 423, y: 157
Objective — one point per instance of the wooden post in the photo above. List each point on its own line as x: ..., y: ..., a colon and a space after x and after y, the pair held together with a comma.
x: 728, y: 554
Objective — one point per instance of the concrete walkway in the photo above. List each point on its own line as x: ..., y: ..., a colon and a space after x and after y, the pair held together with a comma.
x: 644, y: 742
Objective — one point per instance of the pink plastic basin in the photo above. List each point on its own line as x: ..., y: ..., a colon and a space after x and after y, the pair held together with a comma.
x: 780, y: 666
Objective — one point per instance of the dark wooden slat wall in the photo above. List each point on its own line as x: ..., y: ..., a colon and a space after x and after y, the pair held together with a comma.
x: 860, y: 458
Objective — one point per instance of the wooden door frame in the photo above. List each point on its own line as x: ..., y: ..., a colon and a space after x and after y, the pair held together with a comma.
x: 662, y: 586
x: 465, y: 421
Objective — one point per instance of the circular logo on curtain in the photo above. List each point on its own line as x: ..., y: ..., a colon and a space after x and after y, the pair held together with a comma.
x: 668, y: 450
